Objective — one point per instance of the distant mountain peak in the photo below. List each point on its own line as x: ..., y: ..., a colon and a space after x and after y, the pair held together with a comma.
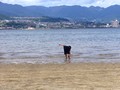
x: 72, y: 12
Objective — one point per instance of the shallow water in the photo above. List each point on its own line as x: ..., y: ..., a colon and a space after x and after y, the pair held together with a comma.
x: 42, y: 46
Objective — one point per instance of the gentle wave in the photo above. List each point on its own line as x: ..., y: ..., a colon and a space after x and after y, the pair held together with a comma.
x: 42, y: 46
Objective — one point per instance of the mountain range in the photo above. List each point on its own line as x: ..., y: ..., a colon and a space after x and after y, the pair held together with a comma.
x: 69, y: 12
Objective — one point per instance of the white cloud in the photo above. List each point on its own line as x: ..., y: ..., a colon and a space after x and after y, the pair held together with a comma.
x: 21, y: 2
x: 103, y: 3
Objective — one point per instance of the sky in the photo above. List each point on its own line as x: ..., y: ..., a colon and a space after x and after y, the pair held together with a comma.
x: 49, y: 3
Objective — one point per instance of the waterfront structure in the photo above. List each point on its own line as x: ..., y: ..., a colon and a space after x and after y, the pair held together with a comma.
x: 115, y: 24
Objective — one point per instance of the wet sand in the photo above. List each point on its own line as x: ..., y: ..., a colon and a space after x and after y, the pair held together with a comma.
x: 82, y: 76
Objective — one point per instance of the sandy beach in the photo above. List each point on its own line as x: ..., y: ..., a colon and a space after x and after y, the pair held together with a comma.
x: 82, y: 76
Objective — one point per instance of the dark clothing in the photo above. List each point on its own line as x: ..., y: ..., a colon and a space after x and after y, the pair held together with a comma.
x: 67, y: 49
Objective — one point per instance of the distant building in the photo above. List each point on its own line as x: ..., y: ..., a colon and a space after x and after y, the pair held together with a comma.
x: 108, y: 25
x: 115, y: 24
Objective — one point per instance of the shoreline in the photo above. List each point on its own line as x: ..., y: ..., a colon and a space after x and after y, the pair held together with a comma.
x: 72, y: 76
x: 65, y: 28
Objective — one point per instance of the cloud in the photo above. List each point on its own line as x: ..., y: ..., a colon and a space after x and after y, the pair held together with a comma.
x: 103, y: 3
x: 67, y: 2
x: 21, y: 2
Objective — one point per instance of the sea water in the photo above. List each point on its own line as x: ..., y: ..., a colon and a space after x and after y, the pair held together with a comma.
x: 42, y: 46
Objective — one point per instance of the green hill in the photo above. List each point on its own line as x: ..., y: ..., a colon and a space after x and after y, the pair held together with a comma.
x: 3, y: 17
x: 51, y: 19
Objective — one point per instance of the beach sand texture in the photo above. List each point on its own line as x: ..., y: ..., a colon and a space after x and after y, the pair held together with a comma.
x: 82, y: 76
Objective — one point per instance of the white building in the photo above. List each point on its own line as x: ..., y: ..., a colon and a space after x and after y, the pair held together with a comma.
x: 115, y: 24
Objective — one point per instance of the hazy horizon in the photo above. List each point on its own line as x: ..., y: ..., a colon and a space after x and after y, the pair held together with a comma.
x: 51, y: 3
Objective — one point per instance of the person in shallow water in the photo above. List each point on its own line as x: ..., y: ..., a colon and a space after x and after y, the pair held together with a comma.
x: 67, y: 52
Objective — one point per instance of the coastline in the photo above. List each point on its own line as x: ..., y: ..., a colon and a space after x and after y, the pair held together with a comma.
x: 72, y: 76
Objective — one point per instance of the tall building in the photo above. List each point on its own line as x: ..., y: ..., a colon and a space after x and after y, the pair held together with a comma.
x: 115, y: 24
